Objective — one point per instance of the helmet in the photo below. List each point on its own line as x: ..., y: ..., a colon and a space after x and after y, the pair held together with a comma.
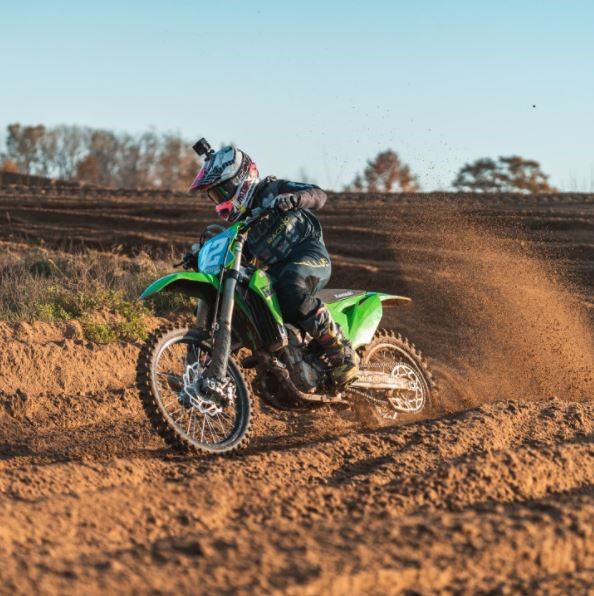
x: 229, y: 177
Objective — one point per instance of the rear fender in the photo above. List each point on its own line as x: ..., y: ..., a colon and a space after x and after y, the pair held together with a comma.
x: 359, y: 316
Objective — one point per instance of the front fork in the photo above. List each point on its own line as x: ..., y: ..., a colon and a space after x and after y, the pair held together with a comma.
x: 217, y: 371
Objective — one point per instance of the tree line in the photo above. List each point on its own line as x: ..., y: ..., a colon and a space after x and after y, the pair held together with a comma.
x: 165, y: 160
x: 100, y: 157
x: 387, y: 173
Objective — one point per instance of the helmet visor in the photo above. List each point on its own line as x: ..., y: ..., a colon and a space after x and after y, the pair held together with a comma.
x: 222, y: 192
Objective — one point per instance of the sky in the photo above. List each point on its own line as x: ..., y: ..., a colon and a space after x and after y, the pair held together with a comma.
x: 317, y: 88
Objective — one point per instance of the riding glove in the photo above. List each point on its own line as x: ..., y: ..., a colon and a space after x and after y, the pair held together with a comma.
x: 286, y: 202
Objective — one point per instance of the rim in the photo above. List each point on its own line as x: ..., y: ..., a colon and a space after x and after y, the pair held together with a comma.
x: 396, y: 362
x: 178, y: 368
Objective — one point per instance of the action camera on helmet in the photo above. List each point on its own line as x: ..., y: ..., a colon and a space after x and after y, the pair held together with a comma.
x: 202, y: 147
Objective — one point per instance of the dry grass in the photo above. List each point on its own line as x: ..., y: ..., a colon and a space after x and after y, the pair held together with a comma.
x: 37, y: 284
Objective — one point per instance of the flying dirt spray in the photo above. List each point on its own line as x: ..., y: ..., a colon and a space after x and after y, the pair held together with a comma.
x: 501, y: 321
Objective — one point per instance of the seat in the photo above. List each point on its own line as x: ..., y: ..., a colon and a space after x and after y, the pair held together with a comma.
x: 329, y: 296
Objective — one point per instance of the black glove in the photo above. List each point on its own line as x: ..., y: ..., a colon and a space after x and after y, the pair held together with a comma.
x: 190, y: 261
x: 286, y: 202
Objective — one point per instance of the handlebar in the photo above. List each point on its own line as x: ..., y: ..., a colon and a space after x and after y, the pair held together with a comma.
x: 250, y: 222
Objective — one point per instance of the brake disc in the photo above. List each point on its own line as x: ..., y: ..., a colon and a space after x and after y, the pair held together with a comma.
x: 192, y: 382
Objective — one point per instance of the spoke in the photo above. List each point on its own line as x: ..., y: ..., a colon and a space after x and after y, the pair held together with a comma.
x: 169, y: 375
x: 221, y: 424
x: 203, y: 425
x: 228, y: 420
x: 169, y: 382
x: 196, y: 423
x: 190, y: 422
x: 170, y: 398
x: 196, y: 353
x: 174, y: 412
x: 177, y: 421
x: 207, y: 417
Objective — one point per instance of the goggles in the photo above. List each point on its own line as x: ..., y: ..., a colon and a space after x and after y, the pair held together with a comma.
x: 223, y: 192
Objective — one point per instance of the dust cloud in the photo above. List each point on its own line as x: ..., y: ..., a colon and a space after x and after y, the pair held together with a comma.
x: 505, y: 321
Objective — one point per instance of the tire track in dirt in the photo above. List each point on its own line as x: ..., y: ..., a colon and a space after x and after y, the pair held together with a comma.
x: 100, y: 504
x: 288, y: 517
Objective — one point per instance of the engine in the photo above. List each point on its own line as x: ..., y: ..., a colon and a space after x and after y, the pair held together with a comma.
x: 305, y: 375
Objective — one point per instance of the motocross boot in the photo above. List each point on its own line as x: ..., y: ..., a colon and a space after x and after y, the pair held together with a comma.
x: 340, y: 355
x: 333, y: 347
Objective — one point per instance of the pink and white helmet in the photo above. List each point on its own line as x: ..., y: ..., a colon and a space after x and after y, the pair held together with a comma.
x: 229, y: 177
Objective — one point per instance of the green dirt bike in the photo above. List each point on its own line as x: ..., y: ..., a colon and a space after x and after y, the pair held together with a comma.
x: 191, y: 379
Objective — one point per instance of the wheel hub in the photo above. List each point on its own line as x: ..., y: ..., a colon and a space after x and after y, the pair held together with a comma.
x: 209, y: 396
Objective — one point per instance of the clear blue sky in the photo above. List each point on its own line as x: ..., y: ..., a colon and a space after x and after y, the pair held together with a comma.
x: 319, y: 85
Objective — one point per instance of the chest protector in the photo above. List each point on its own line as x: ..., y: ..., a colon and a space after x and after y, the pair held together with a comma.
x: 274, y: 239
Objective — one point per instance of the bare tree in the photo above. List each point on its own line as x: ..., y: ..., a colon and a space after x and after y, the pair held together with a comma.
x: 129, y: 160
x: 72, y: 146
x: 22, y: 146
x: 48, y: 151
x: 176, y: 164
x: 147, y: 167
x: 104, y: 146
x: 88, y: 169
x: 101, y: 157
x: 304, y: 176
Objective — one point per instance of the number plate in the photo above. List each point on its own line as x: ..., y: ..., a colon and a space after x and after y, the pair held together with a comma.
x: 211, y: 258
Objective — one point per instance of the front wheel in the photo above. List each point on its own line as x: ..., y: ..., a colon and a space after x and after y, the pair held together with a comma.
x: 395, y: 356
x: 170, y: 367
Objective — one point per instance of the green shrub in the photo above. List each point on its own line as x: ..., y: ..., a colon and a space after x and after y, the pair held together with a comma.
x: 99, y: 333
x: 132, y: 330
x: 50, y: 313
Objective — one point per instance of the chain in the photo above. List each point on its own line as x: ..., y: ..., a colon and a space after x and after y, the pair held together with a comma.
x: 383, y: 405
x: 371, y: 398
x: 368, y: 397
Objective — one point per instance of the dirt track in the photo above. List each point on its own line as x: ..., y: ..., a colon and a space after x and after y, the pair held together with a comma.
x: 496, y: 492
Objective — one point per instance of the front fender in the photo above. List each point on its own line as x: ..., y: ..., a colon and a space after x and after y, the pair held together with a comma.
x: 198, y: 285
x: 187, y: 282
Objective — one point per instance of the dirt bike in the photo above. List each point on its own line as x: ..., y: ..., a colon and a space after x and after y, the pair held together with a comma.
x: 191, y: 380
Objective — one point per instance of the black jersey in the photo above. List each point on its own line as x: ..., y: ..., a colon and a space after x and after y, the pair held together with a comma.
x: 273, y: 240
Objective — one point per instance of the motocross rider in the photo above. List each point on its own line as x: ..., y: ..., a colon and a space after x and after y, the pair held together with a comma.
x: 289, y: 244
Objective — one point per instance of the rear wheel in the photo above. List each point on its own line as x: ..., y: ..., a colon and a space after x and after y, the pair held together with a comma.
x: 171, y: 365
x: 392, y: 354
